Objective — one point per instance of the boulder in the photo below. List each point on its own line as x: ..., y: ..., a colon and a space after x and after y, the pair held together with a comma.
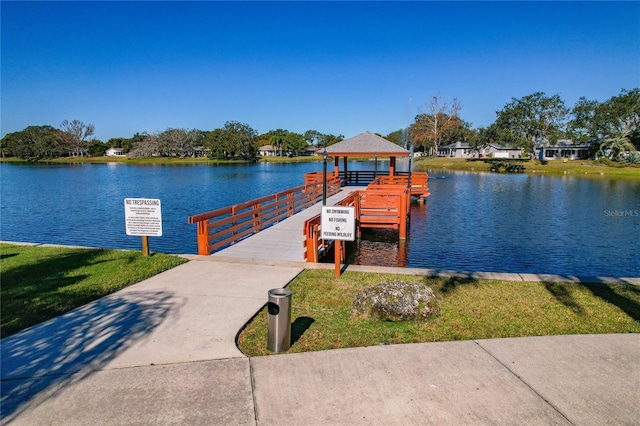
x: 396, y: 301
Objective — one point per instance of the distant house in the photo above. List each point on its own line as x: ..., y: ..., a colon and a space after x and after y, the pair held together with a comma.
x: 457, y: 150
x: 114, y: 152
x: 463, y: 150
x: 82, y: 152
x: 311, y: 150
x: 564, y: 148
x: 267, y: 150
x: 201, y: 151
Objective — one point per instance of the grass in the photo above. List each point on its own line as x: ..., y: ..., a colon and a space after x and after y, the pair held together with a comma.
x: 555, y: 167
x: 39, y: 283
x: 470, y: 309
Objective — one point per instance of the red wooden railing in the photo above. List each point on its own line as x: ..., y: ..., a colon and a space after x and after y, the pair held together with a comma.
x: 313, y: 245
x: 316, y: 177
x: 419, y: 182
x: 384, y: 204
x: 222, y: 227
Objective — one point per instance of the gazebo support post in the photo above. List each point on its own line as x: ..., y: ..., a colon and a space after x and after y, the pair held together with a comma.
x: 392, y: 166
x: 375, y: 166
x: 346, y: 171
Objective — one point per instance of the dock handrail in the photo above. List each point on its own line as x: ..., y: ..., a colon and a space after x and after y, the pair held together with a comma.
x: 380, y: 205
x: 419, y: 182
x: 314, y: 246
x: 228, y: 225
x: 385, y: 206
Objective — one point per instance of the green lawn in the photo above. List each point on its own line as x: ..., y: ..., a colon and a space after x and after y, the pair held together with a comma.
x: 470, y: 309
x: 38, y: 283
x: 580, y: 168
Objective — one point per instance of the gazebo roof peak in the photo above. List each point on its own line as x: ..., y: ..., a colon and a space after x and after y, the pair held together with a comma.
x: 365, y: 144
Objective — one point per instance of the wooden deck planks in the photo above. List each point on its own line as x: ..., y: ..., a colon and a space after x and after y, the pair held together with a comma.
x: 284, y: 240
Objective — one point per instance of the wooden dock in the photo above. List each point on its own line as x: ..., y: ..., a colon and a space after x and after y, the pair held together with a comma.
x: 283, y: 241
x: 285, y: 226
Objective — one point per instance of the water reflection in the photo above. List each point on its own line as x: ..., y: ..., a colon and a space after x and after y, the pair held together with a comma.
x: 378, y: 247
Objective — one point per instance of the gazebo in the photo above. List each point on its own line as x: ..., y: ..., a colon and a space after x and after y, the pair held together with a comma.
x: 365, y: 144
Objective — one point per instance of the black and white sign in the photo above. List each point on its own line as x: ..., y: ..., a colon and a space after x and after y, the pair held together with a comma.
x: 143, y: 217
x: 338, y: 223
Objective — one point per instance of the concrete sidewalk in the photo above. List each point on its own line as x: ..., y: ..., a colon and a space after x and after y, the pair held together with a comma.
x: 163, y: 352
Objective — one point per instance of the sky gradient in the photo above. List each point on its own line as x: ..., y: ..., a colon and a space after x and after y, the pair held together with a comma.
x: 335, y: 67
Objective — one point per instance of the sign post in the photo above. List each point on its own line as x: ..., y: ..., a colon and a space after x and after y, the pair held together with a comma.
x: 143, y: 217
x: 338, y: 223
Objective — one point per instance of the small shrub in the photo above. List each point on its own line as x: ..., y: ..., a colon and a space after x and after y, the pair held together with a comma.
x: 632, y: 157
x: 605, y: 161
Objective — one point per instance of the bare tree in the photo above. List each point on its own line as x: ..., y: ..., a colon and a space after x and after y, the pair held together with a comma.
x: 75, y: 134
x: 146, y: 147
x: 179, y: 142
x: 433, y: 125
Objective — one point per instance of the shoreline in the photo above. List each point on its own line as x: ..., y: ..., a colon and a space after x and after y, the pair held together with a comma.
x: 481, y: 275
x: 574, y: 168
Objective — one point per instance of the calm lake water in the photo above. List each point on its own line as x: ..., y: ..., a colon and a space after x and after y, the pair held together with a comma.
x: 472, y: 221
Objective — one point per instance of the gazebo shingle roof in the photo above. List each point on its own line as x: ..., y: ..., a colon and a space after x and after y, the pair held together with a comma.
x: 366, y: 144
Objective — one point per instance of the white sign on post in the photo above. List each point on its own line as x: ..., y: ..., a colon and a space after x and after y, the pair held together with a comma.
x: 143, y: 217
x: 338, y: 223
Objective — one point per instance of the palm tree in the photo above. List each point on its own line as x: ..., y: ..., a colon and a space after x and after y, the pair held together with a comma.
x: 614, y: 148
x: 277, y: 142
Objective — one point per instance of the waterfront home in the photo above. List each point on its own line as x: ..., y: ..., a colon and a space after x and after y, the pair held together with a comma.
x: 463, y: 150
x: 114, y: 152
x: 564, y: 148
x: 267, y: 151
x: 271, y: 151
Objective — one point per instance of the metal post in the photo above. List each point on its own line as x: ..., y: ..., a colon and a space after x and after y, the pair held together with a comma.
x: 410, y: 159
x: 324, y: 176
x: 375, y: 170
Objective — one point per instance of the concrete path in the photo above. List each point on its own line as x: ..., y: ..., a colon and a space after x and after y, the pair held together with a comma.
x: 163, y: 352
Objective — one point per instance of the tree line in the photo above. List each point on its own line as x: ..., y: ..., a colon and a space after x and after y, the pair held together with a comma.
x: 234, y: 140
x: 610, y: 128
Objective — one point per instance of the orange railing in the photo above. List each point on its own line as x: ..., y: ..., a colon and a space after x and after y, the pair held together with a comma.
x: 316, y: 247
x: 316, y: 177
x: 222, y: 227
x: 379, y: 206
x: 385, y: 206
x: 419, y: 182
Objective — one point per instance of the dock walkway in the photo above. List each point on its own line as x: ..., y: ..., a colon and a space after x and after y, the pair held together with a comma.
x: 283, y: 241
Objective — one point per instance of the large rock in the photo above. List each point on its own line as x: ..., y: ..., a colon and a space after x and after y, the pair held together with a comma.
x: 396, y: 301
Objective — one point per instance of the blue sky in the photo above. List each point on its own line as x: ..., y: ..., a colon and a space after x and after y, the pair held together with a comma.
x: 335, y: 67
